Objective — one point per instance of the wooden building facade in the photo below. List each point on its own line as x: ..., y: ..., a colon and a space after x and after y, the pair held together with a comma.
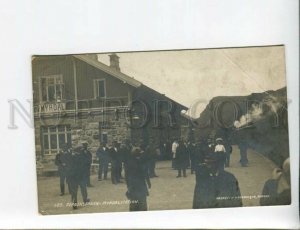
x: 77, y: 98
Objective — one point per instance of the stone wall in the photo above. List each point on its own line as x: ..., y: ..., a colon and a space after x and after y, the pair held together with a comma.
x: 88, y: 128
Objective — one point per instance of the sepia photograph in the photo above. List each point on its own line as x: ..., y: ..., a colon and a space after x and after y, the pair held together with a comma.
x: 161, y: 130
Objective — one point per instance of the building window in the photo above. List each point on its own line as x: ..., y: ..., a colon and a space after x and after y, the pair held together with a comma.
x: 103, y: 137
x: 52, y: 88
x: 53, y: 137
x: 100, y: 88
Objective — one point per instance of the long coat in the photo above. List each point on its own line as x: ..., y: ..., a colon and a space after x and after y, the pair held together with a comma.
x: 216, y: 191
x: 103, y: 155
x: 182, y: 157
x: 137, y: 179
x: 80, y: 166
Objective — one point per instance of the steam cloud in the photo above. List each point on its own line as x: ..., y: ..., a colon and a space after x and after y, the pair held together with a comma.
x: 256, y: 112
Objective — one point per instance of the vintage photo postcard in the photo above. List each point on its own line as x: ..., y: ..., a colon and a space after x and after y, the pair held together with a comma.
x: 161, y: 130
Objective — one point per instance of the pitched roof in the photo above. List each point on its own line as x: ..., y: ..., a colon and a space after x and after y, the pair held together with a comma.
x: 121, y: 76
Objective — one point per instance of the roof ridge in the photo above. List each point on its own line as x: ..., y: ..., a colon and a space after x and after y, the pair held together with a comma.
x: 99, y: 65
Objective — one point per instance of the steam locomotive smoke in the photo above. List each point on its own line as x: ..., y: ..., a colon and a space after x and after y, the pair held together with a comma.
x: 256, y: 112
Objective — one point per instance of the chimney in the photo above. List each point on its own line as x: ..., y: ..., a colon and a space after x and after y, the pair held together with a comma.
x: 114, y: 61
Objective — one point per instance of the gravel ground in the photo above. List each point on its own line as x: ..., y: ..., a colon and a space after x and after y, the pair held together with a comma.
x: 167, y: 192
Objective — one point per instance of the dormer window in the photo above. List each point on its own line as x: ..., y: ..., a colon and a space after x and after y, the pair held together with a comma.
x: 52, y: 88
x: 99, y: 88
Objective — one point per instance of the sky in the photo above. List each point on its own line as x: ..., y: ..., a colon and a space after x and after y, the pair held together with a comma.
x: 188, y: 76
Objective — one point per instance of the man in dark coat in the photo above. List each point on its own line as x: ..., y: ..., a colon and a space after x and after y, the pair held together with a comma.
x: 104, y: 159
x: 243, y: 152
x: 126, y: 151
x: 152, y: 153
x: 191, y: 149
x: 90, y: 160
x: 277, y: 190
x: 138, y: 181
x: 215, y: 188
x: 182, y: 159
x: 114, y: 156
x: 79, y: 172
x: 228, y: 148
x: 201, y: 151
x: 62, y: 160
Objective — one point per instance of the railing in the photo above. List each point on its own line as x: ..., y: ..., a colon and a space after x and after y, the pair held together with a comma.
x: 83, y: 106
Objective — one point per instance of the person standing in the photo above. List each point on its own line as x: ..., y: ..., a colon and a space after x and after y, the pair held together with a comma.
x: 243, y: 153
x: 174, y: 149
x: 114, y: 151
x: 220, y: 153
x: 120, y: 159
x: 152, y: 153
x: 191, y: 149
x: 89, y: 163
x: 79, y: 175
x: 182, y: 159
x: 104, y: 159
x: 138, y: 181
x: 62, y: 161
x: 215, y: 188
x: 228, y: 149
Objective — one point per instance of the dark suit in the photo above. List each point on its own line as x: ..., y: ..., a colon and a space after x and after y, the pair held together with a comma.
x: 271, y: 195
x: 115, y: 176
x: 218, y: 190
x: 62, y: 160
x: 182, y: 159
x: 126, y: 150
x: 104, y: 159
x: 191, y: 149
x: 137, y: 181
x: 79, y: 173
x: 89, y: 163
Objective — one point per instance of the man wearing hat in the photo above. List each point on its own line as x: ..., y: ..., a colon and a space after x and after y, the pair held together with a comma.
x: 215, y: 188
x: 220, y: 152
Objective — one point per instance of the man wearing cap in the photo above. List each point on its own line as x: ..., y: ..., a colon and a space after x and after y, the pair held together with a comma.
x: 215, y: 188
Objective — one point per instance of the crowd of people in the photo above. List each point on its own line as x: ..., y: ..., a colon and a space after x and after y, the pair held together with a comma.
x: 135, y: 165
